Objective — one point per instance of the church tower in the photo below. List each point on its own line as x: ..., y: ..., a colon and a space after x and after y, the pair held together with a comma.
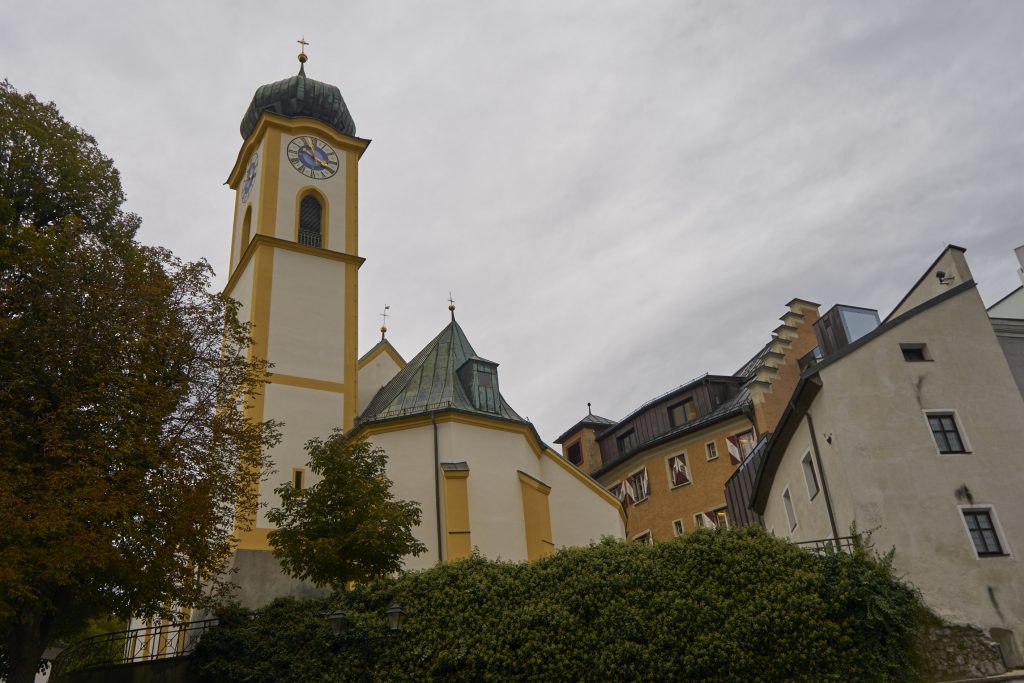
x: 294, y: 270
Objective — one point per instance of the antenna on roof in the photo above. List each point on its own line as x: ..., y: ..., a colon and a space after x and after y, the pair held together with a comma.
x: 384, y: 322
x: 451, y: 305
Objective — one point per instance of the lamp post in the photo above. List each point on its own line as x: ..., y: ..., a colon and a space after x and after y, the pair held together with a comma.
x: 345, y: 630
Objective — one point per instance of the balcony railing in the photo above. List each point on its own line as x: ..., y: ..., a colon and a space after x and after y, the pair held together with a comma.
x: 843, y: 544
x: 160, y: 641
x: 309, y: 239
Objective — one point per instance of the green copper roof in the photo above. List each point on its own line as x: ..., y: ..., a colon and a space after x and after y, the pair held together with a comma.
x: 299, y: 96
x: 430, y: 382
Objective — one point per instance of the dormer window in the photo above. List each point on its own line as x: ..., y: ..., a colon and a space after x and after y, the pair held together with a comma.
x: 682, y: 412
x: 311, y: 215
x: 479, y: 379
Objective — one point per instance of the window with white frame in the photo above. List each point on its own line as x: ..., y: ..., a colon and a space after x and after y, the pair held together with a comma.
x: 636, y: 486
x: 677, y: 527
x: 721, y: 517
x: 810, y: 476
x: 740, y: 445
x: 678, y: 471
x: 946, y: 432
x: 717, y: 517
x: 711, y: 448
x: 787, y: 501
x: 644, y: 537
x: 619, y: 491
x: 982, y: 529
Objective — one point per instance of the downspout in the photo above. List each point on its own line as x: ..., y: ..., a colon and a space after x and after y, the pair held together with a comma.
x: 824, y: 480
x: 437, y: 489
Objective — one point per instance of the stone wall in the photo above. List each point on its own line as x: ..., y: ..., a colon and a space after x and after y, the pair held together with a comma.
x: 957, y: 651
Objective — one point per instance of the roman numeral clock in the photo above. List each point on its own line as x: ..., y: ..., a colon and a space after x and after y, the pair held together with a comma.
x: 312, y: 157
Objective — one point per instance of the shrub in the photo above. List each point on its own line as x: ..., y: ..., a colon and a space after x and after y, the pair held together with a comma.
x: 714, y: 605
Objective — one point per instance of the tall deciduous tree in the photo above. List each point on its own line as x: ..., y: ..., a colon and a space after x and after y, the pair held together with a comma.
x: 124, y: 444
x: 348, y: 525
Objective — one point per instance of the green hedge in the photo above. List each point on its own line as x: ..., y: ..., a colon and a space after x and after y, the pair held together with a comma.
x: 719, y: 605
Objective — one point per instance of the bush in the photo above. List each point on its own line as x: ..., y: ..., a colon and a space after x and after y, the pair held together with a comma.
x: 722, y: 605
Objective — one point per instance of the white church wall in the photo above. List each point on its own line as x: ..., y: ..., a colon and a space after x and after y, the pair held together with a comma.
x: 579, y: 515
x: 373, y: 376
x: 291, y: 183
x: 242, y: 292
x: 306, y: 413
x: 305, y: 289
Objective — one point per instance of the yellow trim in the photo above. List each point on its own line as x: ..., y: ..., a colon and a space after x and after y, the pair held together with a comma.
x: 289, y: 246
x: 308, y: 383
x: 325, y: 216
x: 536, y: 517
x: 351, y: 344
x: 481, y: 421
x: 234, y: 229
x: 382, y: 347
x: 292, y: 126
x: 254, y: 539
x: 351, y: 203
x: 267, y: 214
x: 458, y: 543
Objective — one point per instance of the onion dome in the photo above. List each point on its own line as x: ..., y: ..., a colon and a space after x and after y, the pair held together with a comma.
x: 300, y: 96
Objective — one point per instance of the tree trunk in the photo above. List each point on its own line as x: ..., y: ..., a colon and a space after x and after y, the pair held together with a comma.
x: 26, y: 644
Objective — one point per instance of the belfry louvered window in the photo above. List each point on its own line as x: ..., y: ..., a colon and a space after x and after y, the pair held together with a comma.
x: 311, y: 215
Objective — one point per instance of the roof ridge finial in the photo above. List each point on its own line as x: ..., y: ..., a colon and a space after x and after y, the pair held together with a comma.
x: 384, y: 321
x: 302, y: 56
x: 451, y: 306
x: 589, y: 411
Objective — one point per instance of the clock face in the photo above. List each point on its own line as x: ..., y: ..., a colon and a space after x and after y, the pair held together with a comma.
x: 312, y: 157
x: 250, y: 175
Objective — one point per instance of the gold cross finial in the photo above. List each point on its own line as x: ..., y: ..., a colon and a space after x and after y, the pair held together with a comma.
x: 451, y: 305
x: 302, y: 50
x: 384, y: 322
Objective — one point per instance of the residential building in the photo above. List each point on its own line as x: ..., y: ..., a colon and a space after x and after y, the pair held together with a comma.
x: 668, y: 460
x: 912, y: 430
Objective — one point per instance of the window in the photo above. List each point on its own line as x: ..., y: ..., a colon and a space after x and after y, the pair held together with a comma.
x: 678, y: 471
x: 574, y: 454
x: 718, y: 517
x: 740, y: 445
x: 677, y: 527
x: 983, y: 531
x: 626, y: 441
x: 947, y: 436
x: 682, y: 412
x: 298, y: 478
x: 644, y: 537
x: 914, y: 353
x: 810, y: 476
x: 636, y: 486
x: 790, y: 512
x: 310, y: 221
x: 721, y: 517
x: 712, y: 450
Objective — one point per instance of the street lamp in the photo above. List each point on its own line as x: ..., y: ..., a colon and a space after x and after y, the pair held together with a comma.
x: 344, y: 630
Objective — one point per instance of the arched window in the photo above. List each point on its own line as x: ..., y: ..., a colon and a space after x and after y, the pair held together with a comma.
x: 311, y: 215
x: 246, y: 229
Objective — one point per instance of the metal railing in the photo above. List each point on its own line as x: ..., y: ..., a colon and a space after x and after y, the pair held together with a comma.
x: 309, y: 239
x: 160, y: 641
x: 843, y: 544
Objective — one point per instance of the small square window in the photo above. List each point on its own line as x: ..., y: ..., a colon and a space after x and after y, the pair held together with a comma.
x: 678, y: 471
x: 677, y: 527
x: 914, y: 353
x: 682, y: 412
x: 626, y: 441
x: 983, y: 532
x: 947, y: 436
x: 574, y: 454
x: 810, y: 476
x: 644, y: 538
x: 712, y: 450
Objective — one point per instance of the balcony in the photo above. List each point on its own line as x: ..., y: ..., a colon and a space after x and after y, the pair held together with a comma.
x: 309, y: 239
x: 843, y: 544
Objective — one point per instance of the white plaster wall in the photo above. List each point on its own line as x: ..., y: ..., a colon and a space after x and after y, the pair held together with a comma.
x: 1010, y: 307
x: 811, y: 514
x: 411, y: 469
x: 291, y: 183
x: 242, y: 292
x: 253, y: 201
x: 579, y: 515
x: 306, y: 413
x: 373, y: 376
x: 899, y: 486
x: 953, y: 263
x: 307, y: 316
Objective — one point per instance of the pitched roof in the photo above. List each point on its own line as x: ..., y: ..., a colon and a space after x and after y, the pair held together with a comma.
x: 589, y: 420
x: 429, y: 383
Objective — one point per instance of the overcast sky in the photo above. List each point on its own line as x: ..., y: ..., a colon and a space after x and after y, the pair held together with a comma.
x: 619, y: 195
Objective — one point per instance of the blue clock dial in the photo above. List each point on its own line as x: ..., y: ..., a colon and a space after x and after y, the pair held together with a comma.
x: 312, y: 157
x: 250, y: 175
